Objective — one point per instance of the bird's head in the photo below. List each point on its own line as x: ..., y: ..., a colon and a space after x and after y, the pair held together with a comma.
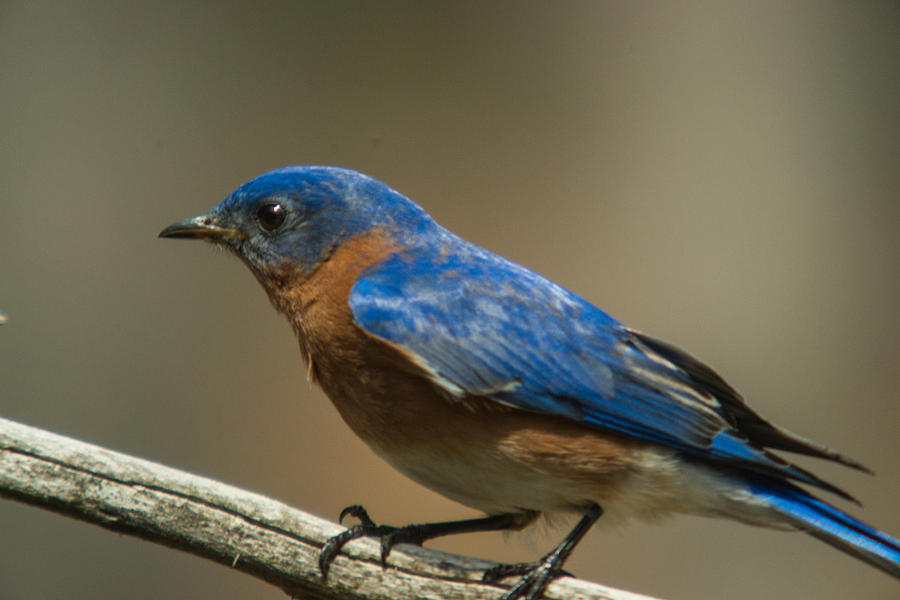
x: 292, y: 219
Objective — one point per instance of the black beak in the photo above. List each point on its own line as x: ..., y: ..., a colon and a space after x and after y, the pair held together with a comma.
x: 203, y: 227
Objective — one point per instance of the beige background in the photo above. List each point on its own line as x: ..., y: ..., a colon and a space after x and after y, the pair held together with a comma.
x: 725, y: 177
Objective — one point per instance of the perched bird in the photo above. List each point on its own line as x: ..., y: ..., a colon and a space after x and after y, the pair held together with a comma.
x: 498, y: 388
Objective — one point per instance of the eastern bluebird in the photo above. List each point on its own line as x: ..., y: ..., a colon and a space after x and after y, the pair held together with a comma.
x: 498, y: 388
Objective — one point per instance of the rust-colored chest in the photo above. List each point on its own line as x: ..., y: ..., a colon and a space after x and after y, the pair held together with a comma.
x: 375, y: 389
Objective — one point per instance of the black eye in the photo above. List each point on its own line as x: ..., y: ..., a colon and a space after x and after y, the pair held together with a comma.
x: 270, y: 216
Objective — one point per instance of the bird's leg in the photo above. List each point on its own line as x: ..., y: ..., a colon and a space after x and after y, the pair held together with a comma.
x: 538, y: 575
x: 413, y: 534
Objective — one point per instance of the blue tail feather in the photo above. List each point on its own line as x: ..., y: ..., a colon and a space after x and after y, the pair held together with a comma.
x: 832, y: 525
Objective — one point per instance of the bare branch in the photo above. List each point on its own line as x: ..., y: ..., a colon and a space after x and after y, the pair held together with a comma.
x: 240, y: 529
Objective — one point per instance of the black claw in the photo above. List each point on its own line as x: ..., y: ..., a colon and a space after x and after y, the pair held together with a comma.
x: 356, y: 510
x: 333, y: 547
x: 390, y: 536
x: 499, y: 572
x: 533, y: 585
x: 412, y: 534
x: 386, y: 545
x: 537, y: 576
x: 366, y: 528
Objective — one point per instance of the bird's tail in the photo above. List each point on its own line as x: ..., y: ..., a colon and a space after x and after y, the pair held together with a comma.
x: 832, y: 526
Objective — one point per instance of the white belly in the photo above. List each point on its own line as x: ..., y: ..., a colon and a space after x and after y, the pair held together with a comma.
x: 657, y: 483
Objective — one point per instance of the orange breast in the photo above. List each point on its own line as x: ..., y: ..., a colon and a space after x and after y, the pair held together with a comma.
x: 391, y: 404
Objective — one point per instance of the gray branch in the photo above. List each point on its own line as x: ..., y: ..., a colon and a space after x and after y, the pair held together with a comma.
x: 237, y: 528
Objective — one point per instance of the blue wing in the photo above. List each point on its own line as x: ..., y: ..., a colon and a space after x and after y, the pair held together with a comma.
x: 480, y: 325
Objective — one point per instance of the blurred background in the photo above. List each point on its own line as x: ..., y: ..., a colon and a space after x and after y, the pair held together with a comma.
x: 721, y: 175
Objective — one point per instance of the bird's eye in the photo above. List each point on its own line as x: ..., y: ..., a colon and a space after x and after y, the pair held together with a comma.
x: 270, y: 216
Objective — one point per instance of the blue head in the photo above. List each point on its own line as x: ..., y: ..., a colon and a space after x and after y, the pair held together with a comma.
x: 293, y: 218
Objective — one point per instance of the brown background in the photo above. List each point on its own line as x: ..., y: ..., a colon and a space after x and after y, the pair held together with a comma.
x: 725, y: 177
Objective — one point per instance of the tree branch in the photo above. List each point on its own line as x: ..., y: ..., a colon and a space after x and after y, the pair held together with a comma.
x: 240, y: 529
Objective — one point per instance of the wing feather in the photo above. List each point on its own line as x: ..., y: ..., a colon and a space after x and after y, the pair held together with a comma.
x: 480, y: 325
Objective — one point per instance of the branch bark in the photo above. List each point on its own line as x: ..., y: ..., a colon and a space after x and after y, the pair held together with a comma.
x: 237, y: 528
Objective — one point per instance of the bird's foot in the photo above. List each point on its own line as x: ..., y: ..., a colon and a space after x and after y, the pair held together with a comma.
x: 537, y: 576
x: 389, y: 536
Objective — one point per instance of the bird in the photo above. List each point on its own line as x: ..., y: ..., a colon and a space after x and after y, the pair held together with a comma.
x: 502, y: 390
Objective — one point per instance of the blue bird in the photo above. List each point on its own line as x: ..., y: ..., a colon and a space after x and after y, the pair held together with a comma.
x: 500, y: 389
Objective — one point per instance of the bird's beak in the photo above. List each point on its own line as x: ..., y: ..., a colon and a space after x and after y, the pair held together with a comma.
x: 203, y: 227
